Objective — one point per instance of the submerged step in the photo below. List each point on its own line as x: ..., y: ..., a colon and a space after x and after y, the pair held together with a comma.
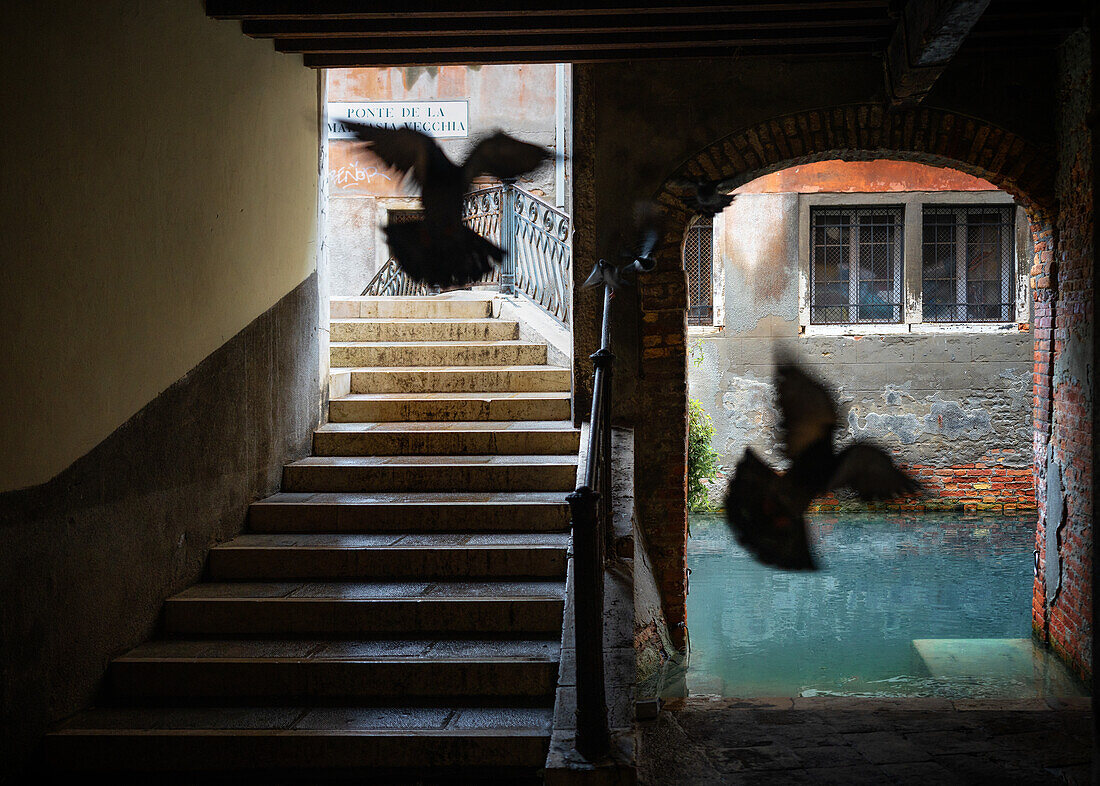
x: 446, y: 438
x: 394, y: 407
x: 432, y: 307
x: 195, y: 739
x: 317, y: 670
x: 410, y: 512
x: 355, y: 608
x: 431, y: 473
x: 262, y: 557
x: 400, y: 330
x: 460, y: 379
x: 437, y: 353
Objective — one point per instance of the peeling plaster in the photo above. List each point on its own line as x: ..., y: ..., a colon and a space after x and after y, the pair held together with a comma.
x: 953, y: 421
x: 893, y: 394
x: 1075, y: 361
x: 1055, y: 515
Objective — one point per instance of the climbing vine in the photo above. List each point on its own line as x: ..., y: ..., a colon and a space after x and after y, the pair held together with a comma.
x: 702, y: 458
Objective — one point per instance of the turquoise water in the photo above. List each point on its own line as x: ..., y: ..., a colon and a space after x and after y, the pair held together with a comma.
x: 904, y: 605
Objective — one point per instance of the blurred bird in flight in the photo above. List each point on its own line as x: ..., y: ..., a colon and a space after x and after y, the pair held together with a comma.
x: 706, y: 197
x: 636, y: 247
x: 766, y: 510
x: 439, y: 249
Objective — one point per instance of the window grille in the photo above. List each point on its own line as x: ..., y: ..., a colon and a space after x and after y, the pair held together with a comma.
x: 403, y: 215
x: 699, y: 264
x: 855, y: 264
x: 967, y: 263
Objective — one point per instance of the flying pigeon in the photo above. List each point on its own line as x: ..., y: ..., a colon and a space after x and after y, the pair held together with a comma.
x: 765, y: 509
x: 637, y: 248
x: 439, y: 250
x: 707, y: 197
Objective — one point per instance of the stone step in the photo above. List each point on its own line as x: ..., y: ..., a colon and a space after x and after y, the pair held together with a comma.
x: 344, y: 670
x: 268, y: 557
x: 555, y: 437
x: 392, y: 407
x: 434, y: 307
x: 284, y: 740
x: 390, y: 330
x: 405, y: 512
x: 436, y: 353
x: 358, y: 608
x: 460, y: 379
x: 431, y: 473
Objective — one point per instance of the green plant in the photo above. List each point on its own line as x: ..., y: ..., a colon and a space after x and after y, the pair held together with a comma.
x: 702, y: 458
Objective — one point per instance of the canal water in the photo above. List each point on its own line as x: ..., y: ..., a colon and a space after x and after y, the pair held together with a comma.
x: 904, y: 605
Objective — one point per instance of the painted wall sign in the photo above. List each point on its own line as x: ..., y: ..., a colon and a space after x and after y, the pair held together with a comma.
x: 440, y: 119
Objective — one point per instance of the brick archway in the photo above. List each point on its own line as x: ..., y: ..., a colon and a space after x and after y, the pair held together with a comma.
x: 858, y: 132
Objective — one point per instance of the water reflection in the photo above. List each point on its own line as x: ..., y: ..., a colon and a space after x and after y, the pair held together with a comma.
x: 849, y: 629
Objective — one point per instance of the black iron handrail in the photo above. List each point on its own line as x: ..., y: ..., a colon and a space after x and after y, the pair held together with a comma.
x: 591, y: 512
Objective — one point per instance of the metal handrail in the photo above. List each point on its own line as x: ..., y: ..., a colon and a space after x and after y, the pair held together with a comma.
x: 590, y: 510
x: 535, y: 236
x: 590, y: 507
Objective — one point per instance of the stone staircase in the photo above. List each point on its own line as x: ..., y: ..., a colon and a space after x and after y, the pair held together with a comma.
x: 397, y: 609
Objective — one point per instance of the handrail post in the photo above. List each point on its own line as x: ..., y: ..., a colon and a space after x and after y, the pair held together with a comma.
x: 593, y: 735
x: 508, y: 237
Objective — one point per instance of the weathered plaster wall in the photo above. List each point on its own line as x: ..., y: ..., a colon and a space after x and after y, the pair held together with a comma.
x: 158, y: 313
x: 160, y: 193
x: 637, y: 124
x: 1064, y: 384
x: 519, y: 99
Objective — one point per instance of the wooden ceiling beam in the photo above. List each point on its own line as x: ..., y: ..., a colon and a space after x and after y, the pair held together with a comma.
x: 925, y: 40
x: 430, y: 9
x: 398, y: 60
x: 514, y: 25
x: 588, y: 43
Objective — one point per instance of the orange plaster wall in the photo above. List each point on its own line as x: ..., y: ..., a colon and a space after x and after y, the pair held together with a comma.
x: 864, y: 177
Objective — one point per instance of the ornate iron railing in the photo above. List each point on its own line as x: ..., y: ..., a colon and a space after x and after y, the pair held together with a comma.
x: 536, y: 238
x: 391, y: 280
x: 541, y: 252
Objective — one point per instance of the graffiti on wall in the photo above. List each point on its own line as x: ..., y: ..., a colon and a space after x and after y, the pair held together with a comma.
x: 352, y: 174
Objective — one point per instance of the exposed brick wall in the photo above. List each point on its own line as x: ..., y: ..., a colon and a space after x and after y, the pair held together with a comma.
x: 853, y: 133
x: 988, y: 487
x: 1062, y: 283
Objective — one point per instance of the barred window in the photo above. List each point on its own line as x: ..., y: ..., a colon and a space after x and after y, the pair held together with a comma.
x: 967, y: 263
x: 855, y: 264
x: 699, y: 264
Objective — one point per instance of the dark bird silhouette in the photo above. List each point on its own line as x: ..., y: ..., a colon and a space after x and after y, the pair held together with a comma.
x: 766, y: 510
x: 706, y: 197
x: 636, y: 247
x: 439, y: 250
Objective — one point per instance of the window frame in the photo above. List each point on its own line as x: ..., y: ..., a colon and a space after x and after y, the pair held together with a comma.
x: 912, y: 203
x: 855, y: 243
x: 717, y: 278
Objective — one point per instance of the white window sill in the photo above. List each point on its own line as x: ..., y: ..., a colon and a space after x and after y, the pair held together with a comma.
x: 705, y: 330
x: 919, y: 328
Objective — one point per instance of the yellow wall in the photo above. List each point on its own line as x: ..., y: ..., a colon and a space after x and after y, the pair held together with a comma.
x: 159, y: 192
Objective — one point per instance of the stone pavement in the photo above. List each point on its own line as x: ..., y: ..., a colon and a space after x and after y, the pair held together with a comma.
x: 850, y: 741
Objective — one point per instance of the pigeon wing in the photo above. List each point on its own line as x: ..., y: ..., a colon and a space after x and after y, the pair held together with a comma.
x: 437, y: 259
x: 807, y: 408
x: 503, y: 157
x: 647, y: 229
x: 870, y: 472
x: 403, y: 149
x: 764, y: 517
